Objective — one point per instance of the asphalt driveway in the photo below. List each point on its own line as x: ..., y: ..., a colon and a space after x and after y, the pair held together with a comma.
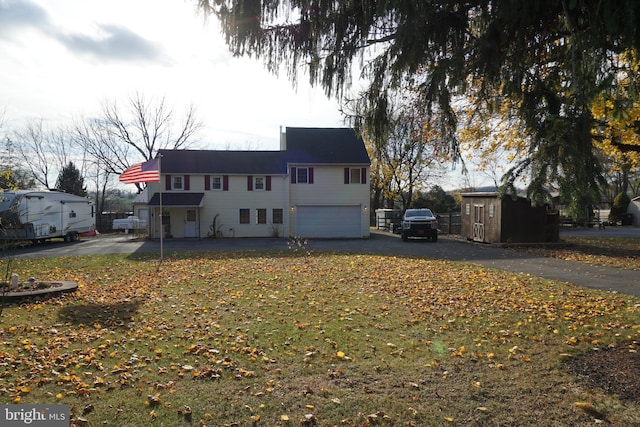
x: 447, y: 248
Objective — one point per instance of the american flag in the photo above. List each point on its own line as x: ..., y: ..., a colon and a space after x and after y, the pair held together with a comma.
x: 141, y: 172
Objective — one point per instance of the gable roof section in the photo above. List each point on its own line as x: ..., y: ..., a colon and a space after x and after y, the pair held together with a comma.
x: 325, y: 145
x: 223, y: 162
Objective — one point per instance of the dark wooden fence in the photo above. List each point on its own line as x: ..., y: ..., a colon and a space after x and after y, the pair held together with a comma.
x: 449, y: 223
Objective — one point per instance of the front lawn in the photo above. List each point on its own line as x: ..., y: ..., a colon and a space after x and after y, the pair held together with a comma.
x: 295, y: 338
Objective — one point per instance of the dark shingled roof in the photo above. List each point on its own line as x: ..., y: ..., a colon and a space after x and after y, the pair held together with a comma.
x: 325, y: 145
x: 177, y: 199
x: 304, y: 145
x: 224, y: 162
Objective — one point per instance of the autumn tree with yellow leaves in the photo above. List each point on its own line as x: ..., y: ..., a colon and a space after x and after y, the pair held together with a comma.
x: 617, y: 134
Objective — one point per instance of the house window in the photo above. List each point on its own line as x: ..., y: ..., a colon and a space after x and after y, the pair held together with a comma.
x: 355, y: 176
x: 277, y: 215
x: 176, y: 183
x: 302, y: 175
x: 491, y: 211
x: 245, y: 216
x: 216, y: 183
x: 258, y: 184
x: 261, y: 216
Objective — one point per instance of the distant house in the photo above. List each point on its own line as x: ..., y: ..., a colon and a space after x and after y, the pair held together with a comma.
x: 488, y: 218
x: 316, y: 185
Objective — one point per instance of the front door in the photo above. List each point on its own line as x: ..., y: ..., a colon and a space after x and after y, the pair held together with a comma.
x: 190, y: 223
x: 478, y: 223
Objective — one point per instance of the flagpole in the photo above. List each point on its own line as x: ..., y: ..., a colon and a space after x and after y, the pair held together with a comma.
x: 161, y: 224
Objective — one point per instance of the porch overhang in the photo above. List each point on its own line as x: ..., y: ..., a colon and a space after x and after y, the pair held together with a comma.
x: 177, y: 200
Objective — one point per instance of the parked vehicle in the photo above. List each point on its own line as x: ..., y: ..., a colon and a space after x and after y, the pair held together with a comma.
x: 419, y: 223
x: 129, y: 223
x: 43, y: 215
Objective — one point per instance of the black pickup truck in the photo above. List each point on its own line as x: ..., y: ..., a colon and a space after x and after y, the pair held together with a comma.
x: 419, y: 223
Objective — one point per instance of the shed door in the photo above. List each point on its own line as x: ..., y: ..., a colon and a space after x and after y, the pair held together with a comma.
x: 328, y: 221
x: 478, y: 223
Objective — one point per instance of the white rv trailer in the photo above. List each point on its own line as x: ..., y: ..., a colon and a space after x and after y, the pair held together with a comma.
x: 43, y: 215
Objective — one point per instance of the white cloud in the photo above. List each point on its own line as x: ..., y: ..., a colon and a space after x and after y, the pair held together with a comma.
x: 62, y: 58
x: 112, y: 43
x: 16, y: 16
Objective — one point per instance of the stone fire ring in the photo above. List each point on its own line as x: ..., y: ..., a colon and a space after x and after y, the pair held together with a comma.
x: 57, y: 286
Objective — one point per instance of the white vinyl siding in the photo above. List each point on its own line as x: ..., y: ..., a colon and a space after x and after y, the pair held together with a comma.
x: 329, y: 189
x: 226, y: 204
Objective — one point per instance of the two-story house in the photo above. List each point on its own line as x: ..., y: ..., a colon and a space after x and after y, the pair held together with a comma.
x: 316, y: 185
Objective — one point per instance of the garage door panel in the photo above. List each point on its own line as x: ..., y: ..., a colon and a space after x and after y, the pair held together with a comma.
x: 328, y: 221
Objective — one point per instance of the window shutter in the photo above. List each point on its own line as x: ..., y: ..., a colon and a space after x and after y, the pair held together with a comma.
x: 167, y: 182
x: 363, y: 176
x: 310, y: 177
x: 294, y: 171
x: 225, y: 183
x: 268, y: 183
x: 207, y: 182
x: 186, y: 182
x: 249, y: 183
x: 346, y: 175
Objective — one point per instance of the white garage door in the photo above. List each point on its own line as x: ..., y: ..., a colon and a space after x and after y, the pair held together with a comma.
x: 328, y: 221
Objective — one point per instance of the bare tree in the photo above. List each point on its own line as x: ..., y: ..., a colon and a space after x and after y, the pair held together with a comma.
x: 42, y: 151
x: 123, y: 136
x: 405, y: 161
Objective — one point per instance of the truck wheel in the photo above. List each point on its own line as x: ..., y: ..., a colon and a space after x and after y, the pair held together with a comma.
x: 404, y: 237
x: 435, y: 238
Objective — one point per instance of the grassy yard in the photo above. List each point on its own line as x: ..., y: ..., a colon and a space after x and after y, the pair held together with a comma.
x: 295, y: 338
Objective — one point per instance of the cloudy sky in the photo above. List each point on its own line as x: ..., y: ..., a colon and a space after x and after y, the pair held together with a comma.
x: 61, y: 59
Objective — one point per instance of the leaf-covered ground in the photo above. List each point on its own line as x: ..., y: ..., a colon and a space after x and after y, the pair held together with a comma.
x: 612, y: 252
x: 294, y: 338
